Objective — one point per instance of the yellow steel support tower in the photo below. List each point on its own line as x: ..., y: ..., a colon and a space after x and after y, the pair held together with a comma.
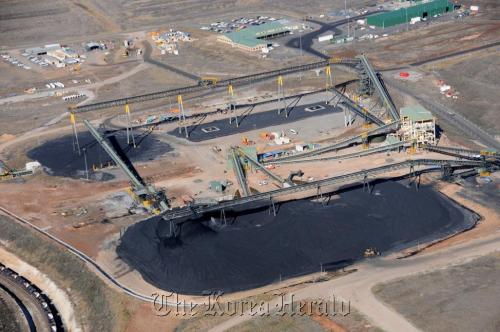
x: 281, y: 96
x: 182, y: 116
x: 232, y: 106
x: 329, y: 82
x: 130, y: 133
x: 364, y: 138
x: 76, y: 143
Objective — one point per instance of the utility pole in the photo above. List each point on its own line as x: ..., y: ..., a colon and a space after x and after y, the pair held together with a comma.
x: 407, y: 23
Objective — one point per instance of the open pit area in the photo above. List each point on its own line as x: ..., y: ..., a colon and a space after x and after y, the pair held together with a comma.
x: 198, y: 156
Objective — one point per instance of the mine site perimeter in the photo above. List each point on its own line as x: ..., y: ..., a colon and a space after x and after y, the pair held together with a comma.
x: 202, y: 151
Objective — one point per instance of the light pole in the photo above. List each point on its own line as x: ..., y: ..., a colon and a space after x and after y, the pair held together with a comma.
x: 407, y: 23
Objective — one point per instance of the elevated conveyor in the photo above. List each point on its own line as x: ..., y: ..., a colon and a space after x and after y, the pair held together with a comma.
x: 358, y: 139
x: 247, y: 79
x: 380, y: 87
x: 238, y: 171
x: 363, y: 153
x: 259, y: 166
x: 414, y: 165
x: 365, y: 114
x: 147, y: 195
x: 463, y: 153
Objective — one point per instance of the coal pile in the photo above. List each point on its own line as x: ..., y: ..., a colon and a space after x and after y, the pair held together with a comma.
x: 257, y: 248
x: 59, y: 159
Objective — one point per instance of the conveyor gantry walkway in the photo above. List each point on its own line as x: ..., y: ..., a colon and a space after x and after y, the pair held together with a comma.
x: 261, y: 167
x: 240, y: 174
x: 463, y: 153
x: 358, y: 139
x: 365, y: 114
x: 390, y: 147
x: 152, y: 199
x: 380, y: 87
x: 253, y: 78
x: 432, y: 165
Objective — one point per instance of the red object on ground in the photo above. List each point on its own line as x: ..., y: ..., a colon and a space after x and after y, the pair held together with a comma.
x: 404, y: 74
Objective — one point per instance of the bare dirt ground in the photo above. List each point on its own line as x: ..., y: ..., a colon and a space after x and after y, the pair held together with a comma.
x: 134, y: 15
x: 26, y: 18
x: 460, y: 298
x: 54, y: 203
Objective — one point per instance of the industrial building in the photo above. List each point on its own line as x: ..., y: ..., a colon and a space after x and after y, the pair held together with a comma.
x: 255, y: 38
x: 418, y: 124
x: 404, y: 15
x: 35, y: 51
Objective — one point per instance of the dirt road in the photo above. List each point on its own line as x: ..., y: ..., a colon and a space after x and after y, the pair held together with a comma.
x: 96, y: 85
x: 356, y: 287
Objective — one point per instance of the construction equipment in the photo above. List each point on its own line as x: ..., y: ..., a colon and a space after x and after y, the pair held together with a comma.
x: 205, y: 81
x: 246, y: 141
x: 153, y: 200
x: 371, y: 252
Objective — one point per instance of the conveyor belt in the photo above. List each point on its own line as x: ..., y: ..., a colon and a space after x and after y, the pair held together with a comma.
x: 357, y: 109
x: 380, y: 87
x: 258, y: 165
x: 240, y: 175
x: 463, y: 153
x: 345, y: 143
x: 412, y: 164
x: 347, y: 155
x: 223, y: 83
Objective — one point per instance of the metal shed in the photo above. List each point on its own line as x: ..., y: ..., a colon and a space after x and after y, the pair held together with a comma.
x: 404, y: 15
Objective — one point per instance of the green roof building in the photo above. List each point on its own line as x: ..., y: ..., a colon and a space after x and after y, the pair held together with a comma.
x: 253, y: 38
x: 416, y: 113
x: 404, y: 15
x: 418, y: 125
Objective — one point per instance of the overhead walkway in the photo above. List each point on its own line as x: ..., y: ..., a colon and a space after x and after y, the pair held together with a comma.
x: 358, y: 139
x: 247, y: 79
x: 380, y: 149
x: 463, y: 153
x: 380, y: 87
x: 365, y: 114
x: 414, y: 166
x: 262, y: 168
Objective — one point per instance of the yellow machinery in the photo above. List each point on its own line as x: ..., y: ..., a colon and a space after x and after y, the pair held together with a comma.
x: 208, y: 81
x: 364, y: 138
x: 148, y: 196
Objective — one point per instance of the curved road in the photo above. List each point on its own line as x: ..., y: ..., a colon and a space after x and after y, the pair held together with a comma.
x: 357, y: 287
x: 308, y: 38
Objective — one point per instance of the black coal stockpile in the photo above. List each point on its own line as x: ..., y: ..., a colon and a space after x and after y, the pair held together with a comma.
x: 258, y: 248
x: 58, y: 156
